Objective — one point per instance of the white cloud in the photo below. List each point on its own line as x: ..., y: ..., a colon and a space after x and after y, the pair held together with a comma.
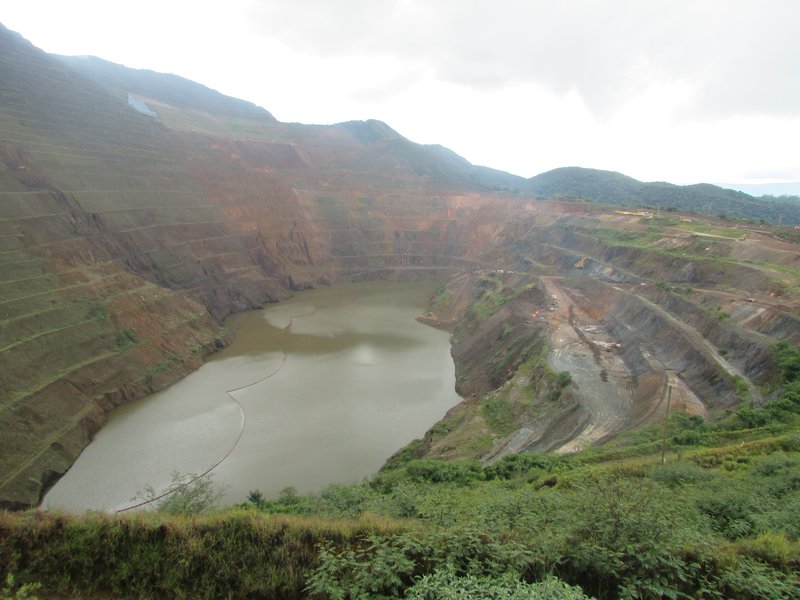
x: 741, y: 56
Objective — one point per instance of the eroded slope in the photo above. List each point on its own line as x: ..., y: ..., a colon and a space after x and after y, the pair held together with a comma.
x: 621, y: 335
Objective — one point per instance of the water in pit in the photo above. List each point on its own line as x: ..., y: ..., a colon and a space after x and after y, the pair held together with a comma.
x: 353, y: 379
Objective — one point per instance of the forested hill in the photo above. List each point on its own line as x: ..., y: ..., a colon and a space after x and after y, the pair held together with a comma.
x: 618, y: 189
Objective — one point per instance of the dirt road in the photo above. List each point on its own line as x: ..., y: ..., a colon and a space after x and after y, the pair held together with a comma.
x: 600, y: 378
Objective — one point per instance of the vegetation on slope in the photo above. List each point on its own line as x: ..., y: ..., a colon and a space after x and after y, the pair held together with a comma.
x: 691, y: 510
x: 620, y: 190
x: 718, y: 519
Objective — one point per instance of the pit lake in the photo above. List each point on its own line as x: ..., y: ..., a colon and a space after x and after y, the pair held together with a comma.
x: 319, y: 389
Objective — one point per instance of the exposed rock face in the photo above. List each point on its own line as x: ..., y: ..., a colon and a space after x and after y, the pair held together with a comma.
x: 628, y: 339
x: 125, y: 239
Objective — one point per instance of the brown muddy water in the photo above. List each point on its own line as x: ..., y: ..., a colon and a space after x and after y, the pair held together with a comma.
x: 339, y: 379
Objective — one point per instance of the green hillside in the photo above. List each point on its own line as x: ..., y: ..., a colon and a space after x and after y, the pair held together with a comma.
x: 620, y: 190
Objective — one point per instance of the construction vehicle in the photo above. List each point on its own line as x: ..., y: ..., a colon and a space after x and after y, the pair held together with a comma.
x: 581, y: 263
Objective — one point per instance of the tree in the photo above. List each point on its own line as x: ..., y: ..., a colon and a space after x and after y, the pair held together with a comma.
x: 256, y: 498
x: 188, y: 493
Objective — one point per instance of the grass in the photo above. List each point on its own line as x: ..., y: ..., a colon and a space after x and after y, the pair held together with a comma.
x: 706, y: 228
x: 498, y: 412
x: 619, y: 237
x: 441, y: 296
x: 695, y: 252
x: 48, y: 332
x: 494, y: 296
x: 239, y: 552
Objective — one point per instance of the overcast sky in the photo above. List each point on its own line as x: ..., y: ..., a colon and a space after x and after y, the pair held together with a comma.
x: 669, y: 90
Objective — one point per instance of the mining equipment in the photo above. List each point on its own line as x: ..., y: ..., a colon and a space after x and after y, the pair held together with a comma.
x: 581, y: 263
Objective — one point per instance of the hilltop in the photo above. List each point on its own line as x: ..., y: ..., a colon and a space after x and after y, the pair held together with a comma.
x: 620, y: 190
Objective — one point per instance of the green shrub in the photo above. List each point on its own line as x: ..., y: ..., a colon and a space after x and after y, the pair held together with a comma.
x: 687, y: 430
x: 679, y: 473
x: 564, y: 379
x: 626, y: 538
x: 384, y: 567
x: 752, y: 580
x: 341, y: 501
x: 730, y: 507
x: 788, y: 360
x: 125, y: 340
x: 446, y: 585
x: 12, y: 591
x: 437, y: 471
x: 379, y: 567
x: 187, y: 494
x: 412, y: 450
x: 517, y: 465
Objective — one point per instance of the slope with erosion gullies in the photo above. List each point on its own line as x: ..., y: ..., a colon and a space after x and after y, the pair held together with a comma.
x: 79, y: 330
x: 500, y: 349
x: 618, y: 306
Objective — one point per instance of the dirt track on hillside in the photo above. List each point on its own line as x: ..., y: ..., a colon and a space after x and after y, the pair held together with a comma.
x: 600, y: 379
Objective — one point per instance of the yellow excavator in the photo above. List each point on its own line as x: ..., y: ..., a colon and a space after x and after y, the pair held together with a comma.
x: 581, y: 263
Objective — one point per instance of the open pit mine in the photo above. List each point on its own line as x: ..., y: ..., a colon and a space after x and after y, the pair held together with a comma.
x: 139, y: 210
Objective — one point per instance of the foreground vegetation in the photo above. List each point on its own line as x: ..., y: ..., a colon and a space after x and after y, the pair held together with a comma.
x: 716, y: 520
x: 687, y: 509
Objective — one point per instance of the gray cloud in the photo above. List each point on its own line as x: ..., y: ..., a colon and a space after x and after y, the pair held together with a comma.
x: 740, y: 56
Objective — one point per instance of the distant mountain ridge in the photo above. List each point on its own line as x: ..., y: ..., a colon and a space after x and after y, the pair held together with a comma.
x: 617, y: 189
x: 381, y: 140
x: 437, y: 161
